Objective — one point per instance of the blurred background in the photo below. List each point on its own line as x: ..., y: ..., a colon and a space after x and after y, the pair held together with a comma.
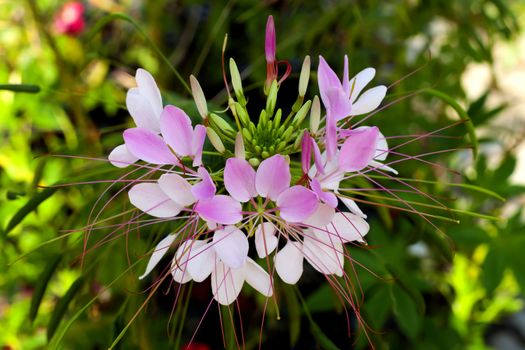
x: 420, y: 289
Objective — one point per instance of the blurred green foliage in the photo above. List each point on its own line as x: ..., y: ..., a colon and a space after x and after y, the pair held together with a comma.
x: 420, y: 289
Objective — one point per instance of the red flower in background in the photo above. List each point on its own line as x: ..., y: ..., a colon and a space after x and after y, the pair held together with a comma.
x: 70, y: 18
x: 196, y: 346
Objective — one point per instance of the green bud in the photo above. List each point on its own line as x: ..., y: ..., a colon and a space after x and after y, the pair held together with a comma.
x: 239, y: 147
x: 315, y: 115
x: 246, y: 134
x: 252, y: 127
x: 222, y: 124
x: 277, y: 118
x: 215, y: 140
x: 254, y: 161
x: 258, y: 149
x: 304, y: 77
x: 281, y: 145
x: 263, y: 118
x: 271, y: 101
x: 237, y: 82
x: 288, y: 132
x: 298, y: 139
x: 301, y: 114
x: 242, y: 114
x: 265, y: 154
x: 198, y: 96
x: 280, y: 130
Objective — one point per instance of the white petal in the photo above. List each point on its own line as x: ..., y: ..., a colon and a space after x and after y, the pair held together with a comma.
x: 383, y: 167
x: 120, y: 157
x: 226, y: 283
x: 352, y: 206
x: 324, y: 256
x: 179, y: 265
x: 148, y: 88
x: 321, y: 217
x: 369, y: 100
x: 258, y: 278
x: 381, y: 148
x: 265, y: 240
x: 360, y: 81
x: 231, y: 246
x: 347, y: 227
x: 289, y: 262
x: 149, y: 198
x: 201, y: 262
x: 177, y: 188
x: 160, y: 250
x: 141, y: 110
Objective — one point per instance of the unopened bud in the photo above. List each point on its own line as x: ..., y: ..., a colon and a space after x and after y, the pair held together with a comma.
x: 215, y: 140
x: 304, y: 77
x: 198, y: 96
x: 237, y: 82
x: 222, y: 124
x: 242, y: 114
x: 272, y: 99
x: 315, y: 115
x: 301, y: 114
x: 239, y: 147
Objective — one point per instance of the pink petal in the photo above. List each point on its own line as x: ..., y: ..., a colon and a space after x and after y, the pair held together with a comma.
x: 176, y: 129
x: 201, y: 261
x: 358, y: 150
x: 359, y: 82
x: 265, y: 240
x: 141, y: 110
x: 297, y: 203
x: 205, y: 189
x: 220, y: 209
x: 306, y: 152
x: 369, y: 100
x: 331, y: 136
x: 239, y: 179
x: 148, y: 146
x: 273, y: 177
x: 327, y: 79
x: 177, y: 188
x: 258, y: 278
x: 226, y: 283
x: 338, y: 104
x: 322, y: 216
x: 327, y: 197
x: 348, y: 227
x: 317, y: 157
x: 149, y: 198
x: 231, y: 246
x: 160, y: 250
x: 325, y: 256
x: 289, y: 262
x: 148, y: 88
x: 120, y: 157
x: 199, y: 136
x: 270, y: 41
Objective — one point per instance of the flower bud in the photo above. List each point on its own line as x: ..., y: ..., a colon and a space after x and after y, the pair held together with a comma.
x: 237, y: 82
x: 271, y: 101
x: 301, y: 114
x: 270, y: 41
x: 304, y: 77
x: 242, y: 114
x: 198, y: 96
x: 239, y: 147
x: 222, y: 124
x: 215, y: 140
x: 315, y: 115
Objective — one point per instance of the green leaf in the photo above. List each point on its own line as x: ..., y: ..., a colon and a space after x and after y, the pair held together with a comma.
x: 31, y: 205
x: 294, y: 315
x: 405, y: 311
x: 493, y: 268
x: 41, y: 285
x: 62, y: 305
x: 322, y: 339
x: 32, y: 89
x: 377, y: 306
x: 462, y: 114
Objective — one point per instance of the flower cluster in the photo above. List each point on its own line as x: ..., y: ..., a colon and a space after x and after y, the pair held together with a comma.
x: 278, y: 182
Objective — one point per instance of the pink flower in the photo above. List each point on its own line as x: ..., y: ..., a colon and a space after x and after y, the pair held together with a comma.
x: 70, y: 18
x: 271, y: 181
